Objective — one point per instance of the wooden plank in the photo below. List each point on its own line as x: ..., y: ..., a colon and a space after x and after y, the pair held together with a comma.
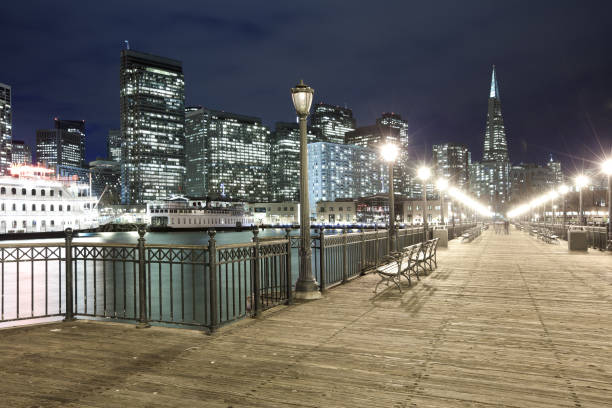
x: 506, y: 320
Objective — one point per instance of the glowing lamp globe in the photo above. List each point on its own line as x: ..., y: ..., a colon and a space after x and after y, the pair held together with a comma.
x: 389, y: 152
x: 302, y: 98
x: 424, y: 173
x: 582, y: 181
x: 563, y: 189
x: 442, y: 184
x: 606, y: 167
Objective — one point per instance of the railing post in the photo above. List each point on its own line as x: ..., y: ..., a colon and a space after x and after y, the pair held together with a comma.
x: 212, y: 281
x: 256, y: 279
x: 142, y: 279
x: 69, y: 315
x: 322, y: 282
x: 363, y: 252
x: 376, y: 247
x: 288, y: 267
x: 344, y: 255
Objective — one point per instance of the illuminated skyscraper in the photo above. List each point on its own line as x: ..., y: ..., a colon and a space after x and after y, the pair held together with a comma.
x: 496, y: 164
x: 344, y: 171
x: 555, y: 169
x: 452, y: 161
x: 113, y: 145
x: 285, y: 160
x: 227, y: 156
x: 334, y: 121
x: 21, y: 153
x: 152, y: 96
x: 63, y: 148
x: 402, y: 173
x: 6, y: 127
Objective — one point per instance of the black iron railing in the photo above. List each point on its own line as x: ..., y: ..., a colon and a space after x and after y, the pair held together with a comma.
x: 194, y: 285
x: 189, y: 285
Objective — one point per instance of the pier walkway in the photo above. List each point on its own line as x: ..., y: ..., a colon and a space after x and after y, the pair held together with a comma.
x: 504, y: 321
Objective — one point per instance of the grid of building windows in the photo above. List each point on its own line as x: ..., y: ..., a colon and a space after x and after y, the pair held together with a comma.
x: 495, y: 167
x: 334, y: 121
x: 63, y: 147
x: 152, y: 95
x: 227, y: 155
x: 285, y: 160
x: 106, y: 181
x: 113, y: 145
x: 402, y: 172
x: 452, y: 162
x: 6, y: 127
x: 344, y: 171
x: 21, y: 153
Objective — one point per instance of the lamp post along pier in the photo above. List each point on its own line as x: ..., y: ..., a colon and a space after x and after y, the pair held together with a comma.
x: 306, y: 286
x: 389, y: 153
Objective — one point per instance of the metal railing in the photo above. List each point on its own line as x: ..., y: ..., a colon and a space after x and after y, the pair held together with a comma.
x: 187, y: 285
x: 339, y: 257
x: 194, y: 285
x: 597, y: 237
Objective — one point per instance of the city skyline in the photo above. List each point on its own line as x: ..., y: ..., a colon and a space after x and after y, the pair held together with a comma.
x: 442, y: 102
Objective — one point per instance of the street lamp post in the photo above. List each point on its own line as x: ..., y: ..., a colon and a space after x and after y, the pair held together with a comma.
x: 306, y: 286
x: 563, y: 190
x: 389, y: 153
x: 606, y: 167
x: 424, y: 173
x: 581, y: 181
x: 442, y: 186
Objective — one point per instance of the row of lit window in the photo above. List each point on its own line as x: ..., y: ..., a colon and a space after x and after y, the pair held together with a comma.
x: 43, y: 207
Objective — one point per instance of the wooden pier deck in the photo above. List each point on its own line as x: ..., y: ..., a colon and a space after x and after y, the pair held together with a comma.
x: 505, y: 321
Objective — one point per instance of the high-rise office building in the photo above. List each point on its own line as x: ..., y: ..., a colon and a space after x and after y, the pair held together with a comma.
x: 555, y: 168
x: 452, y: 161
x: 374, y: 137
x: 63, y: 148
x: 402, y: 172
x: 113, y: 145
x: 528, y: 180
x: 227, y: 156
x: 495, y: 153
x: 106, y: 181
x: 152, y: 96
x: 285, y: 160
x: 21, y: 153
x: 344, y: 171
x: 334, y: 121
x: 6, y: 127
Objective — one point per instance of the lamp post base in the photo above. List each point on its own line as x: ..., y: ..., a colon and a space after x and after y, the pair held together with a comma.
x: 307, y: 290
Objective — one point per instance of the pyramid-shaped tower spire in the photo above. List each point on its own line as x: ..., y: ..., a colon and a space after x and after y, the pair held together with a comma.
x: 494, y: 88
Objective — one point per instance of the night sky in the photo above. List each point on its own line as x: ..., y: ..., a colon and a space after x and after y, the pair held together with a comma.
x: 429, y: 61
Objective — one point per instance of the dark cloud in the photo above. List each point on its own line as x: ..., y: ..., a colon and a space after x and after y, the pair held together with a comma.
x: 429, y: 61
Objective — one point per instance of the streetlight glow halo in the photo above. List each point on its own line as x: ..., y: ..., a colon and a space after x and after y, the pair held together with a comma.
x: 606, y: 167
x: 389, y: 152
x: 424, y: 173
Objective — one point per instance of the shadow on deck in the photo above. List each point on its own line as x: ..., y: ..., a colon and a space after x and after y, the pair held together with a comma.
x: 504, y: 320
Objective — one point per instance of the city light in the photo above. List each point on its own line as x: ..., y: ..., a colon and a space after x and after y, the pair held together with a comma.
x: 389, y: 152
x: 606, y: 167
x: 581, y: 181
x: 442, y: 184
x: 468, y: 201
x: 424, y: 173
x: 537, y: 202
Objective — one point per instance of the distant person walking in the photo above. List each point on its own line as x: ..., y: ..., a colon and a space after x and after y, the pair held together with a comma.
x: 507, y: 227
